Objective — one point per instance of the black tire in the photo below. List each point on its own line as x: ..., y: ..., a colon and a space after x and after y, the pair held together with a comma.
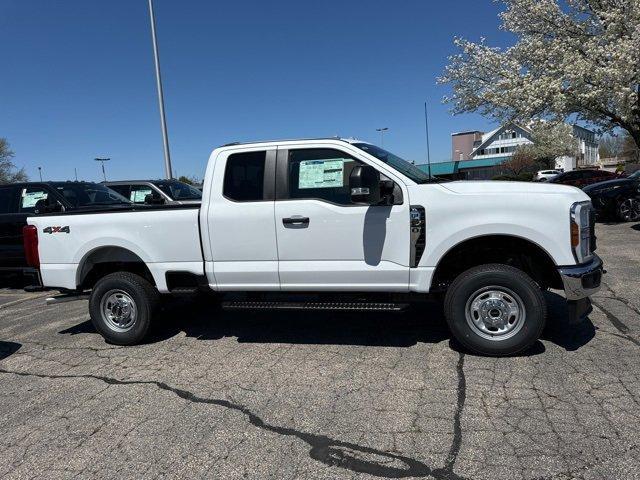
x: 628, y: 210
x: 481, y: 287
x: 124, y: 292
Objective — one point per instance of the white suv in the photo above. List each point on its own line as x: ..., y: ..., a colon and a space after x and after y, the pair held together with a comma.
x: 544, y: 175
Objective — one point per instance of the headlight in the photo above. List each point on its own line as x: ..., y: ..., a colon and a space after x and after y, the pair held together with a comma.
x: 582, y: 231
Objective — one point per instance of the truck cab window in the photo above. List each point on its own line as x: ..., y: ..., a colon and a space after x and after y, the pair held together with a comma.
x: 140, y: 192
x: 121, y: 189
x: 320, y: 173
x: 244, y: 177
x: 30, y: 196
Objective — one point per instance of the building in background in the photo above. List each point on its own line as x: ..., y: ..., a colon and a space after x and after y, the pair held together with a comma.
x: 478, y: 156
x: 463, y: 143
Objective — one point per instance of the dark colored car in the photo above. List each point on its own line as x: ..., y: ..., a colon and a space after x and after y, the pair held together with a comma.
x: 582, y: 178
x: 21, y: 200
x: 618, y: 198
x: 156, y: 192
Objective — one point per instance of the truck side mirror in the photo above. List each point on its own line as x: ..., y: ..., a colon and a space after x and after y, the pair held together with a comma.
x: 151, y: 200
x: 364, y: 185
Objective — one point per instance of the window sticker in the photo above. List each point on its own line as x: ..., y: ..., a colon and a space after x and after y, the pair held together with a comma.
x: 29, y: 199
x: 138, y: 196
x: 321, y: 174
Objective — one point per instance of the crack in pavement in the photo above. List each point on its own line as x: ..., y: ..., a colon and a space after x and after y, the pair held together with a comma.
x: 457, y: 427
x: 616, y: 322
x: 327, y: 450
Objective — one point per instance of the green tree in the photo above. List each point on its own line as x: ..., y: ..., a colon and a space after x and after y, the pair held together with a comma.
x: 188, y: 180
x: 8, y: 171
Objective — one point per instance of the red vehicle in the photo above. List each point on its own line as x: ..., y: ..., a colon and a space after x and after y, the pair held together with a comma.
x: 581, y: 178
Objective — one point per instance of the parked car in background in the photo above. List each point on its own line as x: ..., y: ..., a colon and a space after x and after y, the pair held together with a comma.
x: 156, y: 192
x: 21, y: 200
x: 544, y: 175
x: 617, y: 198
x: 581, y: 178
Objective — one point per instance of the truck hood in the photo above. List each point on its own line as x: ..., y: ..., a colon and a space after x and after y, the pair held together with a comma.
x: 476, y: 187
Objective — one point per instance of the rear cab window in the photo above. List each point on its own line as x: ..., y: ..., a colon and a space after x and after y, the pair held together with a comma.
x: 244, y: 177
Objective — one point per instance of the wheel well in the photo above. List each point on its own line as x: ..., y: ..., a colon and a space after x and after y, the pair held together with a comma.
x: 106, y: 260
x: 504, y: 249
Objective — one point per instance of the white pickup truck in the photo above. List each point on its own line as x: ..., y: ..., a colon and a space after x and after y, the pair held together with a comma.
x: 336, y: 224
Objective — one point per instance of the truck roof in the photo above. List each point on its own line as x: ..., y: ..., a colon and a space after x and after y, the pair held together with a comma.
x: 288, y: 140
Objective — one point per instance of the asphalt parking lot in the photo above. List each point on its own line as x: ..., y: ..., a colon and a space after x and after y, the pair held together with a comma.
x: 231, y: 395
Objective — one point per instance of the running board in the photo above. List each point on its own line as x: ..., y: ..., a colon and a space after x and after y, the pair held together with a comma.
x: 64, y: 298
x: 340, y: 306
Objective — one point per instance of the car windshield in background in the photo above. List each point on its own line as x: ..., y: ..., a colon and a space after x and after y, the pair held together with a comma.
x: 86, y: 194
x: 406, y: 168
x: 179, y: 191
x: 635, y: 175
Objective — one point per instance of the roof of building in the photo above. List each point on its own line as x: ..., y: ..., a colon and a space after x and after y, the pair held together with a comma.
x: 449, y: 168
x: 466, y: 132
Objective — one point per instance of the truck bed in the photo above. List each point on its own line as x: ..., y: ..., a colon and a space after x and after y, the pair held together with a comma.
x: 167, y: 232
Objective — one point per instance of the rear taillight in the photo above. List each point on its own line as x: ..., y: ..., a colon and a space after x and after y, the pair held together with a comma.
x: 30, y: 241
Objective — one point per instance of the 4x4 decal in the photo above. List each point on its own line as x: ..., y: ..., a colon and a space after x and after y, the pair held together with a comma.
x: 56, y: 230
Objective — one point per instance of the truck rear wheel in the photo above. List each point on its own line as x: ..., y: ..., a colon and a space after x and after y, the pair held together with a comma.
x: 121, y: 306
x: 495, y: 309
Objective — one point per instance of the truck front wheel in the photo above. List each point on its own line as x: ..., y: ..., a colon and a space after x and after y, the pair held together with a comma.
x: 121, y: 306
x: 495, y: 309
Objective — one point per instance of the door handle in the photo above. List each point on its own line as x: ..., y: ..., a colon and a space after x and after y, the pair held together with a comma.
x: 296, y: 221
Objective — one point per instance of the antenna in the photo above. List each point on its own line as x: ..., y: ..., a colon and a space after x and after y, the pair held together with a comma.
x: 426, y: 126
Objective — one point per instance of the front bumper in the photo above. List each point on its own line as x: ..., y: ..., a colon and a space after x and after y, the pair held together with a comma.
x: 581, y: 281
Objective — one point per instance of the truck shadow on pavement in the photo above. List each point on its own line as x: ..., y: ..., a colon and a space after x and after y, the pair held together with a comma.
x: 8, y: 348
x: 420, y: 324
x: 559, y: 331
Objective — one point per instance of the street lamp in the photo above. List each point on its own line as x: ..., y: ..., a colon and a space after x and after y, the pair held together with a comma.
x: 40, y: 172
x: 102, y: 160
x: 163, y: 121
x: 382, y: 130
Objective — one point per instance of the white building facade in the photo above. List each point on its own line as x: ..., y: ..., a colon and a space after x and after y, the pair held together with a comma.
x: 501, y: 143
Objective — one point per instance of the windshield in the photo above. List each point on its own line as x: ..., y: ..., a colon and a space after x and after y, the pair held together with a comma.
x: 401, y: 165
x: 635, y: 175
x: 179, y: 191
x: 86, y: 194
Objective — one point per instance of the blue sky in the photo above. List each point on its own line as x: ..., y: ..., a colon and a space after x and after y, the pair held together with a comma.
x: 78, y: 77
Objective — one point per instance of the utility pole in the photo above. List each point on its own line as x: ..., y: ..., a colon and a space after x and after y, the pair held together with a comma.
x: 40, y: 172
x: 382, y: 130
x: 102, y: 160
x: 163, y: 121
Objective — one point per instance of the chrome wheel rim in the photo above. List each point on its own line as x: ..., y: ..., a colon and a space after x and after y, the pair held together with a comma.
x: 495, y: 313
x: 630, y: 210
x: 118, y: 310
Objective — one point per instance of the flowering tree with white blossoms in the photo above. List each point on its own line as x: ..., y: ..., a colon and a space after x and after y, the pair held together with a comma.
x: 573, y: 59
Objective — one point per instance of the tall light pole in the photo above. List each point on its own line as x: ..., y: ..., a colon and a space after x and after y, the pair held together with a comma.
x: 102, y: 160
x: 40, y: 172
x: 163, y: 121
x: 382, y: 130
